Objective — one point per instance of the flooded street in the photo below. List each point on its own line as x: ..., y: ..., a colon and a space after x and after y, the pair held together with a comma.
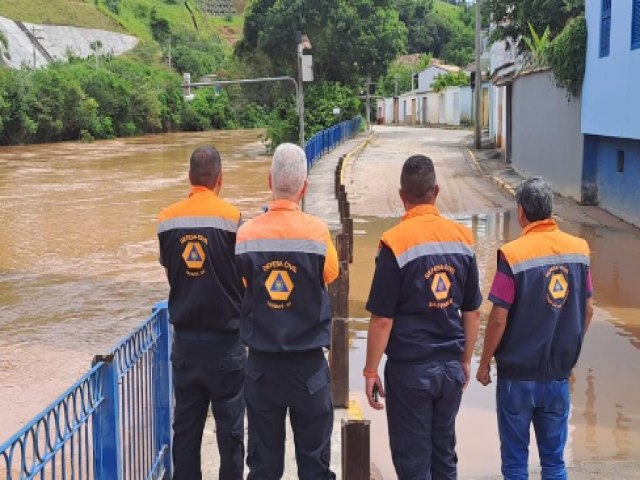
x: 78, y: 249
x: 79, y: 269
x: 605, y: 416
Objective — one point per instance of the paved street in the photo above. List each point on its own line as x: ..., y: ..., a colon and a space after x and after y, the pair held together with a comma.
x: 478, y: 190
x: 373, y: 178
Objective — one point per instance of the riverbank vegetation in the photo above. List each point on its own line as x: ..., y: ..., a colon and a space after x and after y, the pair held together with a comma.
x: 141, y: 92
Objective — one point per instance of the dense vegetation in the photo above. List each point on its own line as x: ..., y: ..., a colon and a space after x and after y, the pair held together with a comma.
x: 352, y: 41
x: 554, y: 35
x: 514, y: 17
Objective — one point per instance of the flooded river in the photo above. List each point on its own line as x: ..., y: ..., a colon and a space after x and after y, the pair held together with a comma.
x: 78, y: 249
x: 78, y: 270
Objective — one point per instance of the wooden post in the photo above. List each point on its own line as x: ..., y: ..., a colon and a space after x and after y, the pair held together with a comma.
x: 338, y: 174
x: 347, y: 228
x: 339, y: 295
x: 340, y: 362
x: 342, y: 241
x: 356, y: 450
x: 346, y: 209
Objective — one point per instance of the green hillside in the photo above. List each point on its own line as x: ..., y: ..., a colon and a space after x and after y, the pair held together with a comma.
x: 58, y: 12
x: 127, y: 16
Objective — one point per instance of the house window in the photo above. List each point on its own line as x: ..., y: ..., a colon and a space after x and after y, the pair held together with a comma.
x: 605, y: 28
x: 635, y: 25
x: 620, y: 161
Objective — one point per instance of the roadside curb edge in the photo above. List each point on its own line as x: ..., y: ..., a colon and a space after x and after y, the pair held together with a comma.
x: 354, y: 152
x: 500, y: 183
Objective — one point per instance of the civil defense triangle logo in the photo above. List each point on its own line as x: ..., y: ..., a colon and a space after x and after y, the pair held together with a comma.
x: 194, y: 256
x: 279, y: 285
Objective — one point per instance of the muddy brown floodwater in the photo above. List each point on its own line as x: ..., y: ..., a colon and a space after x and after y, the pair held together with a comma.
x: 605, y: 413
x: 78, y: 270
x: 78, y: 249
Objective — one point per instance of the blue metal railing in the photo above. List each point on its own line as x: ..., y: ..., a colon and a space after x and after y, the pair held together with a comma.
x: 326, y: 140
x: 113, y: 423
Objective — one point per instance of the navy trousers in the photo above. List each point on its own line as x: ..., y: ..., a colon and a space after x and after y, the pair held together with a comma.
x: 208, y: 372
x: 298, y: 383
x: 546, y: 405
x: 422, y: 403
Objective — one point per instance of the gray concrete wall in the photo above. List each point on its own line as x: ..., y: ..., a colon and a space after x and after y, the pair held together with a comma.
x: 546, y: 137
x: 59, y: 42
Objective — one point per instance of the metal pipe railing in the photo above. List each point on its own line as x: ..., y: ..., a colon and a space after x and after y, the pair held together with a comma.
x: 329, y: 138
x: 114, y: 423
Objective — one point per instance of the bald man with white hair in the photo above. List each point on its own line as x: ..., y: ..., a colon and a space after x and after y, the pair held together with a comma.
x: 287, y: 259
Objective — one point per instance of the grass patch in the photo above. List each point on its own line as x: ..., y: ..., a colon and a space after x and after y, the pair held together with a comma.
x: 451, y: 12
x: 77, y: 13
x: 133, y: 16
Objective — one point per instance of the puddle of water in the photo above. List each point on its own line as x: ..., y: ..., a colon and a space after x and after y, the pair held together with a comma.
x: 605, y: 416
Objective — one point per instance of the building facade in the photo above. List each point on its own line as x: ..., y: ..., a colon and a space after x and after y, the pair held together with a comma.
x: 610, y: 106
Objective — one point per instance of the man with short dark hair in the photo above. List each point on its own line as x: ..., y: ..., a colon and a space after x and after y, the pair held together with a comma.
x: 424, y: 315
x: 197, y: 241
x: 542, y: 308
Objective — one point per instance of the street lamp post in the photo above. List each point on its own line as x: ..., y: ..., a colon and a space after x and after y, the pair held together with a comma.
x: 478, y: 92
x: 300, y: 99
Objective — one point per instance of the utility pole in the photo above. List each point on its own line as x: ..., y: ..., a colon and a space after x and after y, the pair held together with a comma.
x: 478, y: 92
x: 298, y: 36
x: 35, y: 39
x: 368, y: 103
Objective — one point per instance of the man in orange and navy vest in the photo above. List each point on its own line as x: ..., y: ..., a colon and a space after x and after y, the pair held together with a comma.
x: 424, y: 315
x: 287, y: 258
x: 197, y: 241
x: 542, y: 308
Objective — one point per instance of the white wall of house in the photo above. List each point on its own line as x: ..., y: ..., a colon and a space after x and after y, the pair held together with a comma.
x: 611, y: 90
x: 433, y: 115
x: 388, y: 111
x: 466, y: 103
x: 546, y: 136
x: 452, y: 105
x: 426, y: 77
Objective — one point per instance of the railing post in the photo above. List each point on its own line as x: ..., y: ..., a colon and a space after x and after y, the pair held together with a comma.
x: 107, y: 451
x: 356, y: 450
x: 339, y: 294
x: 163, y: 388
x: 347, y: 227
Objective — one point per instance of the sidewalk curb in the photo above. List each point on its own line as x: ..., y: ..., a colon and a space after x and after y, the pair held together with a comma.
x: 355, y: 151
x: 500, y: 183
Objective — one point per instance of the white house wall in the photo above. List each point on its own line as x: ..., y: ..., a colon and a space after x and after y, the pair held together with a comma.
x: 611, y: 101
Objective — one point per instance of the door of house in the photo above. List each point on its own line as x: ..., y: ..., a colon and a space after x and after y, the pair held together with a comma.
x: 396, y: 110
x: 413, y: 111
x: 424, y: 119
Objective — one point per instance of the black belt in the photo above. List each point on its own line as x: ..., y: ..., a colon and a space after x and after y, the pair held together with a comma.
x: 203, y: 336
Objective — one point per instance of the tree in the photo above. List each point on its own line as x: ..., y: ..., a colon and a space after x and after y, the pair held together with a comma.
x: 351, y: 40
x: 567, y: 55
x: 514, y: 16
x: 398, y: 78
x: 451, y: 79
x: 417, y: 15
x: 538, y: 46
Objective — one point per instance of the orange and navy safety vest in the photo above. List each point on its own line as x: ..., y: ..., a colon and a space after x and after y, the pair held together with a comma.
x: 286, y: 259
x: 426, y: 275
x: 197, y: 240
x: 543, y: 280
